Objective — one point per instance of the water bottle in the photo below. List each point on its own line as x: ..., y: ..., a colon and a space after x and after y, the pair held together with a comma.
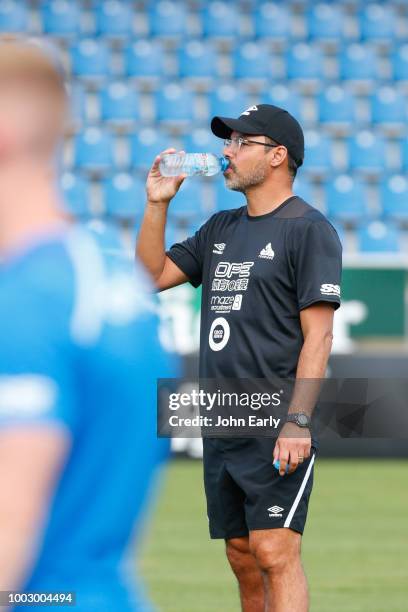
x: 201, y: 164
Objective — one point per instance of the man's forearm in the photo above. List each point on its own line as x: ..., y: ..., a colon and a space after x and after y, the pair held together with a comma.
x: 150, y: 246
x: 311, y: 370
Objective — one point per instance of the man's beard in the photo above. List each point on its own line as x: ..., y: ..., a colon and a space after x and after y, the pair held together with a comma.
x: 241, y: 183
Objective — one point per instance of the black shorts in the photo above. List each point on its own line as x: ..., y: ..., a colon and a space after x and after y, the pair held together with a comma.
x: 245, y: 492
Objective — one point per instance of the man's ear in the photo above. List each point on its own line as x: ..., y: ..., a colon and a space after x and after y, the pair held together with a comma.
x: 279, y: 154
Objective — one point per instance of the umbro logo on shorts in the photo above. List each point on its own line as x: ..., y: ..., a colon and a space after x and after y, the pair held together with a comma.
x: 275, y: 512
x: 219, y: 248
x: 267, y: 252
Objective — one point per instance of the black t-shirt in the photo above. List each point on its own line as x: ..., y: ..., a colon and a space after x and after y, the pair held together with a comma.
x: 257, y: 274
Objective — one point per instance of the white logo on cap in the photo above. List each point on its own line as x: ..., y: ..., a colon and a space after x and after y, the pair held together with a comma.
x: 249, y: 110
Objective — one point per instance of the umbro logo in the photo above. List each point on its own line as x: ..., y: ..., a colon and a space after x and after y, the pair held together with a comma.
x: 275, y: 512
x: 219, y: 248
x: 267, y: 252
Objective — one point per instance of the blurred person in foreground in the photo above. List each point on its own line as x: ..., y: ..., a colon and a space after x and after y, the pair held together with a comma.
x: 279, y: 260
x: 79, y: 355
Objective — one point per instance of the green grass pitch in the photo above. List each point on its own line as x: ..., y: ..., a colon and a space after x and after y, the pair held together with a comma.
x: 355, y: 547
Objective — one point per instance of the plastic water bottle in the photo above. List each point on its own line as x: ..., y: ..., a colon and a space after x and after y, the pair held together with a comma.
x: 201, y: 164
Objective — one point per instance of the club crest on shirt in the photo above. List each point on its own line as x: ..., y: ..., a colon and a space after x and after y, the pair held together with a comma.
x: 267, y: 252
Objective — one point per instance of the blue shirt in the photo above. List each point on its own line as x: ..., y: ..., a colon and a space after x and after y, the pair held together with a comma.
x: 79, y: 349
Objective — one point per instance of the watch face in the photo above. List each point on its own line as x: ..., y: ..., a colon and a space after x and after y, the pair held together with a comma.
x: 303, y: 420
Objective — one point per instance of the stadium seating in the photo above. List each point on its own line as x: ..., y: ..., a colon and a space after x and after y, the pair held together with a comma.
x: 318, y: 153
x: 124, y: 196
x: 61, y: 18
x: 145, y: 144
x: 337, y: 106
x: 272, y: 21
x: 346, y: 199
x: 226, y: 199
x: 227, y: 101
x: 90, y: 58
x: 220, y: 20
x: 378, y: 237
x: 377, y: 23
x: 161, y: 69
x: 114, y: 19
x: 174, y: 104
x: 253, y: 61
x: 394, y: 197
x: 119, y: 103
x: 358, y: 63
x: 198, y: 60
x: 144, y: 59
x: 304, y: 62
x: 168, y: 19
x: 93, y: 150
x: 76, y: 194
x: 325, y: 21
x: 13, y: 16
x: 367, y: 152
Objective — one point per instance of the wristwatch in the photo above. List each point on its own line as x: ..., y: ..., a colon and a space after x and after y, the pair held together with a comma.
x: 300, y: 418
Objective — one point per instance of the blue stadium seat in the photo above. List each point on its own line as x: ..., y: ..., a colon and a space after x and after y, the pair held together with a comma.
x: 227, y: 101
x: 94, y: 150
x: 325, y: 22
x: 378, y: 237
x: 90, y: 58
x: 304, y: 189
x: 114, y: 19
x: 285, y: 97
x: 346, y: 199
x: 367, y: 152
x: 394, y: 197
x: 336, y: 106
x: 202, y: 141
x: 124, y: 196
x: 377, y: 22
x: 188, y: 204
x: 61, y: 18
x: 146, y: 144
x: 171, y: 235
x: 119, y: 103
x: 198, y: 60
x: 145, y: 58
x: 220, y: 20
x: 272, y: 21
x: 388, y: 106
x: 226, y: 199
x: 318, y: 152
x: 75, y: 193
x: 253, y: 61
x: 358, y: 63
x: 174, y: 104
x: 304, y: 62
x: 404, y: 153
x: 77, y: 97
x: 168, y: 19
x: 13, y: 16
x: 399, y: 62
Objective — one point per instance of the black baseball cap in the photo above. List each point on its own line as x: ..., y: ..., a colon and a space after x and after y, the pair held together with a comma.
x: 266, y: 120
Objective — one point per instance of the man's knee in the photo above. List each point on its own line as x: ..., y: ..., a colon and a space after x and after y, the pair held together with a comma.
x: 239, y: 556
x: 274, y: 550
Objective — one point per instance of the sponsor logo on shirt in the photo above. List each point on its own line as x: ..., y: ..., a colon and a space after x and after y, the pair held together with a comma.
x: 329, y: 289
x: 267, y: 252
x: 219, y: 248
x: 226, y: 303
x: 219, y: 334
x: 224, y: 272
x: 275, y: 511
